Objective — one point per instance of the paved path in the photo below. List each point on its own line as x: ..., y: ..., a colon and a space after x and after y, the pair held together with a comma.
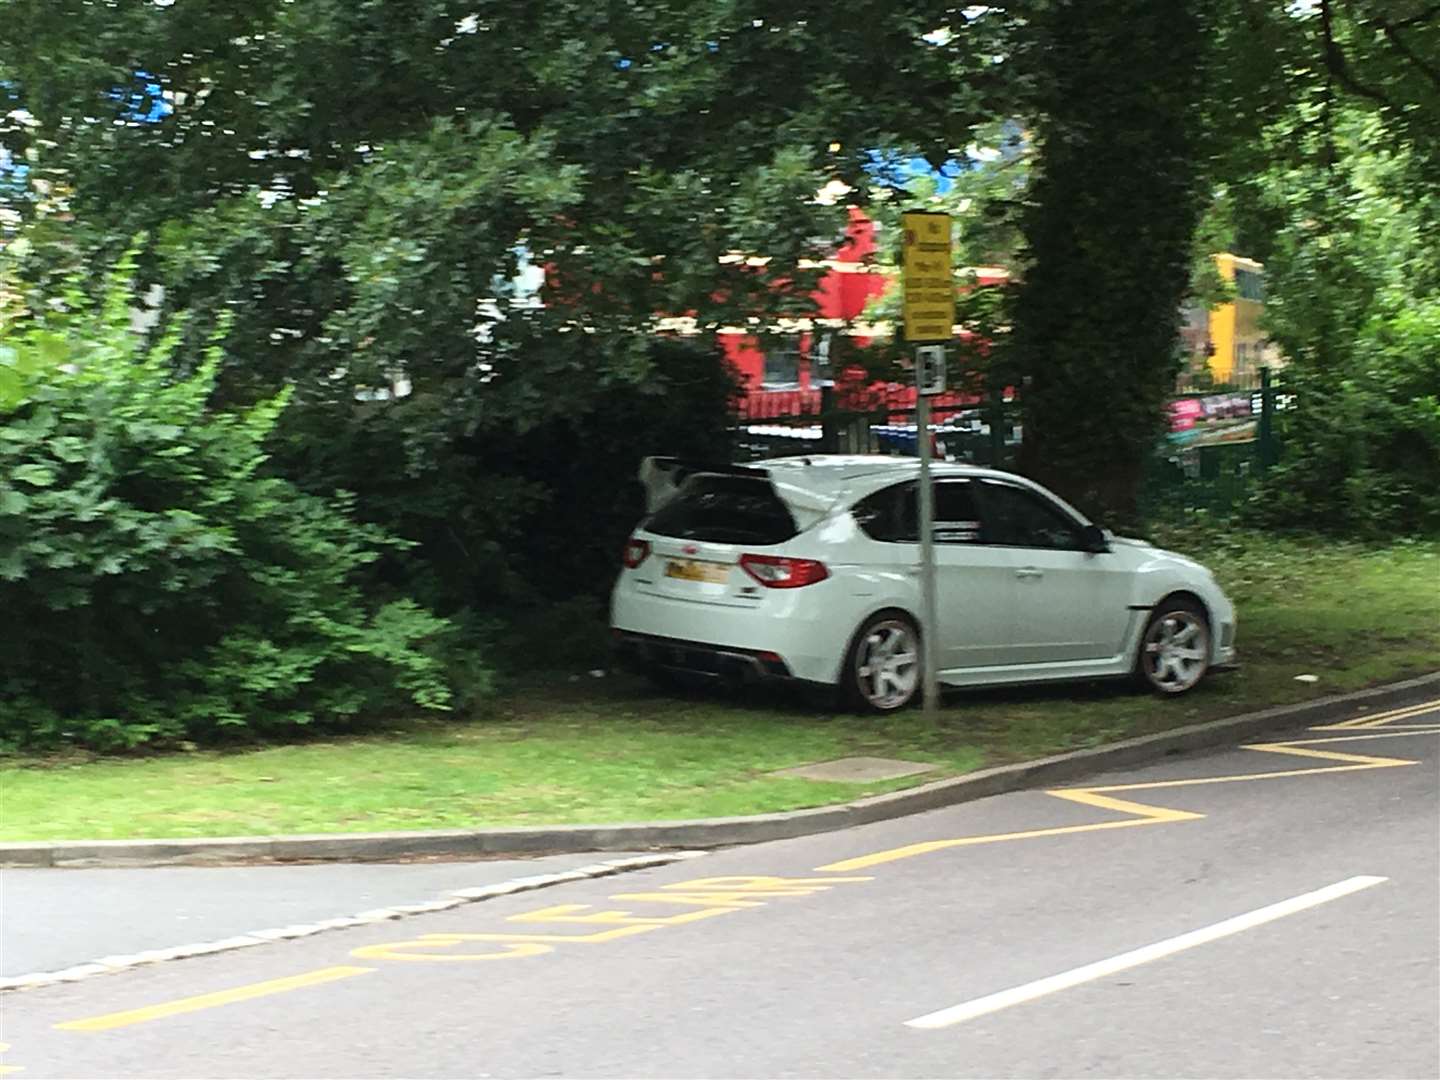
x: 52, y: 919
x: 1248, y: 913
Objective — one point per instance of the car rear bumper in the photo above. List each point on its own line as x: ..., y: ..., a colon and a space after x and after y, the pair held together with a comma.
x: 806, y: 634
x: 700, y: 658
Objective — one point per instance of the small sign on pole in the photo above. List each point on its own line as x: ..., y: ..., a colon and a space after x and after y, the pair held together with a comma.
x: 930, y: 369
x: 927, y: 277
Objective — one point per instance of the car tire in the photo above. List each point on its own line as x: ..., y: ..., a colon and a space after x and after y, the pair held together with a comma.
x: 882, y: 668
x: 1174, y: 652
x: 664, y: 679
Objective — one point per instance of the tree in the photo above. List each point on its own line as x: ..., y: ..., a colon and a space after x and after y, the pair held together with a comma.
x: 1146, y: 113
x: 1108, y: 226
x: 356, y: 184
x: 1333, y: 178
x: 1354, y: 305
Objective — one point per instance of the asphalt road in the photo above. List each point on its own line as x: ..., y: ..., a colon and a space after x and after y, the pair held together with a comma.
x: 1248, y: 913
x: 55, y: 918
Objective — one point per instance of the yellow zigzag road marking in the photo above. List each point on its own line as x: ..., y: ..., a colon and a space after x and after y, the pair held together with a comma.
x: 1154, y: 816
x: 1382, y: 719
x: 1146, y: 814
x: 1397, y: 729
x: 1400, y: 732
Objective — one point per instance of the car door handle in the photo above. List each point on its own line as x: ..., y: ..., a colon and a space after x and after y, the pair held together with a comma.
x: 1029, y: 572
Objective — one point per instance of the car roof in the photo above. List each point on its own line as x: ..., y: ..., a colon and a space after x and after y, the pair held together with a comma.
x: 845, y: 479
x: 834, y: 475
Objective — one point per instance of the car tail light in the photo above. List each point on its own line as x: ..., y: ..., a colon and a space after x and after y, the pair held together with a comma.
x: 779, y: 572
x: 635, y: 553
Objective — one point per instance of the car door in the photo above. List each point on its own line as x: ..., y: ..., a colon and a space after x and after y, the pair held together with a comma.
x: 975, y: 584
x: 1069, y: 603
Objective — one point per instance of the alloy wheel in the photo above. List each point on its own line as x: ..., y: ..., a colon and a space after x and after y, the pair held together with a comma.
x: 1176, y: 651
x: 887, y: 664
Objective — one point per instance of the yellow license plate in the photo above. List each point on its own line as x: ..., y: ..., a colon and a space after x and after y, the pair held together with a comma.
x: 694, y: 570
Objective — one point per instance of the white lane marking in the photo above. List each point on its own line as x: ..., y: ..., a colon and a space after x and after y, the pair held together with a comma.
x: 1016, y: 995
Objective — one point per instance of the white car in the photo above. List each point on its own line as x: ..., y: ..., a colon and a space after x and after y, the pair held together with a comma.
x: 808, y: 568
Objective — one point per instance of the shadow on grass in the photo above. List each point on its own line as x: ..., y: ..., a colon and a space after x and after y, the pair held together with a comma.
x: 812, y: 703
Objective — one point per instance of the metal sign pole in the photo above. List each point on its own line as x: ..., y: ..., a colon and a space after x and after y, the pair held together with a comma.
x: 928, y: 632
x: 929, y: 308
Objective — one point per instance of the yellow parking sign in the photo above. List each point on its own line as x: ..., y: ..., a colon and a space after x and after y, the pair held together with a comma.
x: 926, y: 276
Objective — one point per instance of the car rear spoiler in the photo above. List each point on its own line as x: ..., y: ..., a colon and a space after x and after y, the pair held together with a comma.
x: 662, y: 476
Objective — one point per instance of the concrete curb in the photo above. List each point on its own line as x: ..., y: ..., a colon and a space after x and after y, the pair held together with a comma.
x: 713, y: 832
x: 107, y: 965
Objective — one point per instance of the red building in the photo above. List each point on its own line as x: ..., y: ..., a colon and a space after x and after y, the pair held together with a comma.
x: 784, y: 372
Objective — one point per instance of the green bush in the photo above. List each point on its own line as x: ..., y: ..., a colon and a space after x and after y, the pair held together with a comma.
x: 1362, y: 445
x: 156, y: 583
x: 1353, y: 302
x: 586, y: 466
x: 511, y: 510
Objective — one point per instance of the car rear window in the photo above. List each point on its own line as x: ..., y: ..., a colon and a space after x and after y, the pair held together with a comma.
x: 725, y: 510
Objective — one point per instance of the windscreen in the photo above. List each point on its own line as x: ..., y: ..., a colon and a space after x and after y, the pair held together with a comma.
x: 725, y: 510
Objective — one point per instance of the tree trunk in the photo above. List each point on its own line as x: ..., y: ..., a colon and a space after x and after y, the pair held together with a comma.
x: 1107, y: 232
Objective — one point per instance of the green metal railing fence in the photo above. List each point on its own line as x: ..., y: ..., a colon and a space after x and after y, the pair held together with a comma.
x: 1226, y: 440
x: 1221, y: 440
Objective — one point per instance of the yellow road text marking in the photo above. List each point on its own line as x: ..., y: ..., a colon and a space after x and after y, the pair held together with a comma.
x: 600, y: 937
x: 761, y: 886
x: 210, y: 1001
x: 572, y: 913
x: 406, y: 950
x: 707, y: 896
x: 6, y: 1070
x: 1145, y: 814
x: 729, y: 901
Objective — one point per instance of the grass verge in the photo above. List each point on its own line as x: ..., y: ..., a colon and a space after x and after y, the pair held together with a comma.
x: 568, y: 749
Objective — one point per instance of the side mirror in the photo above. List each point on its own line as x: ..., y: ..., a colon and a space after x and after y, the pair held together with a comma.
x: 1093, y: 539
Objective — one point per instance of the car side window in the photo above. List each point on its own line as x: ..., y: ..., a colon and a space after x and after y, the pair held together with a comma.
x: 1015, y: 517
x: 957, y: 521
x: 888, y: 514
x: 893, y: 514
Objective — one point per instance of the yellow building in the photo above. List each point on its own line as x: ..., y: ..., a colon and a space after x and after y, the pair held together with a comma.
x: 1240, y: 348
x: 1227, y: 339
